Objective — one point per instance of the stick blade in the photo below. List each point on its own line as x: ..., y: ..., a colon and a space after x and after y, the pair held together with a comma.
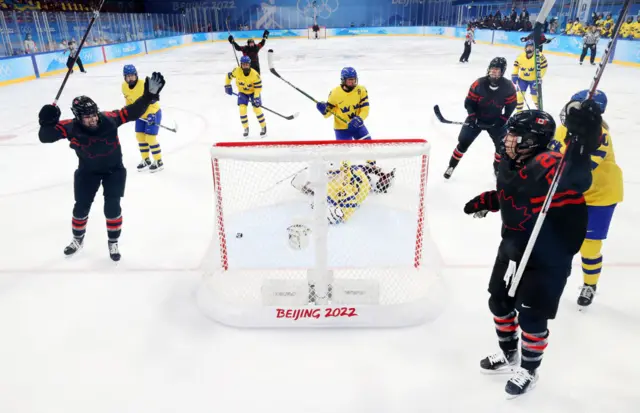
x: 272, y: 68
x: 436, y: 110
x: 292, y: 117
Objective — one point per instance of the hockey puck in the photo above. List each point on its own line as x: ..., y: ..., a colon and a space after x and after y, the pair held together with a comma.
x: 239, y: 235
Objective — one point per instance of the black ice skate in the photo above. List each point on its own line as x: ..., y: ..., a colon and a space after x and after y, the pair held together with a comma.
x: 383, y: 184
x: 75, y: 246
x: 157, y: 166
x: 246, y: 133
x: 263, y: 132
x: 449, y: 172
x: 500, y: 363
x: 586, y: 295
x: 144, y: 164
x: 114, y: 252
x: 521, y: 382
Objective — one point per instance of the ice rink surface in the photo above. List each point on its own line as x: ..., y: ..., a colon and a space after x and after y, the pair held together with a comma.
x: 82, y: 335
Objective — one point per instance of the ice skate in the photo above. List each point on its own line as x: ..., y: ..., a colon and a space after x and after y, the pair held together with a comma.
x: 586, y: 296
x: 75, y: 246
x: 157, y: 166
x: 521, y: 382
x: 144, y: 165
x: 500, y: 363
x: 263, y: 132
x: 246, y: 133
x: 449, y: 172
x: 114, y: 251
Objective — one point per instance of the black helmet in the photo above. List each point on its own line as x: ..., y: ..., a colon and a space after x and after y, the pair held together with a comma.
x: 83, y: 106
x: 500, y: 63
x: 534, y: 128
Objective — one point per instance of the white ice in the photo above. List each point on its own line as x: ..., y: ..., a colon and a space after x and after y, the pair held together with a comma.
x: 81, y: 335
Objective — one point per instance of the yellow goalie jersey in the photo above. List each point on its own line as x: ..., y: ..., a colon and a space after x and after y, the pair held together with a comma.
x: 347, y: 105
x: 131, y: 95
x: 347, y: 189
x: 606, y: 188
x: 248, y: 85
x: 525, y: 68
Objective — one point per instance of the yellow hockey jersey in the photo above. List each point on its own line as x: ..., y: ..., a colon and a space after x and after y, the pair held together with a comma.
x: 347, y: 105
x: 249, y: 85
x: 626, y: 30
x: 636, y: 29
x: 347, y: 189
x: 607, y: 27
x: 131, y: 95
x: 577, y: 28
x: 606, y: 187
x: 525, y: 67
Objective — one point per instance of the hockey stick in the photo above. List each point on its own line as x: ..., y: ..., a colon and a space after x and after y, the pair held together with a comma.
x: 276, y: 74
x: 283, y: 179
x: 174, y: 129
x: 290, y: 117
x: 227, y: 20
x: 563, y: 161
x: 537, y: 42
x: 96, y: 13
x: 436, y: 110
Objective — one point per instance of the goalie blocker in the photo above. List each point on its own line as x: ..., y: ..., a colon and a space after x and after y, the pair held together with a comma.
x: 327, y: 241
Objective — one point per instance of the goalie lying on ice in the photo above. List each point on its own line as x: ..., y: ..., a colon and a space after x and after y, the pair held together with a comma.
x: 347, y: 188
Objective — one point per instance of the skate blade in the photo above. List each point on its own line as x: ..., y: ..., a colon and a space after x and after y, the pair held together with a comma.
x: 505, y: 370
x: 156, y: 170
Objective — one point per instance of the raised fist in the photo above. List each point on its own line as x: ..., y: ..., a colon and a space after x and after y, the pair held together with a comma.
x: 153, y: 86
x: 230, y: 38
x: 584, y: 124
x: 49, y: 115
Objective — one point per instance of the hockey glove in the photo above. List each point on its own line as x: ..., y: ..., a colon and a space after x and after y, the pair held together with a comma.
x: 584, y: 124
x: 471, y: 121
x: 230, y: 39
x: 356, y: 123
x: 151, y: 119
x: 153, y: 86
x: 486, y: 201
x: 265, y: 35
x: 322, y: 107
x: 228, y: 90
x: 257, y: 102
x: 49, y: 115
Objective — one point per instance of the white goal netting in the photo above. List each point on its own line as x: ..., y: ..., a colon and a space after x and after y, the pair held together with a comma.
x: 320, y: 233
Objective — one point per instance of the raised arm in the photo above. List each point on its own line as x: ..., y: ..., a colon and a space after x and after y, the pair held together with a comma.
x: 152, y: 88
x: 51, y: 128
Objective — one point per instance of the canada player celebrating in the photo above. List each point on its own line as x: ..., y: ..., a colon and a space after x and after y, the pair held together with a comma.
x: 524, y: 176
x: 94, y: 137
x: 252, y: 49
x: 490, y: 102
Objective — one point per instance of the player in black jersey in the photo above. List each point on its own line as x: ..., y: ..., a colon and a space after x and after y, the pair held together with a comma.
x: 490, y: 102
x: 524, y: 176
x: 94, y: 137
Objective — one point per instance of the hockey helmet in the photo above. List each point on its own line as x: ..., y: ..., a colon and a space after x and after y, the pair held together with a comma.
x: 599, y: 97
x: 348, y: 73
x: 84, y: 106
x: 245, y: 60
x: 129, y: 70
x: 251, y: 42
x: 499, y: 63
x: 528, y: 133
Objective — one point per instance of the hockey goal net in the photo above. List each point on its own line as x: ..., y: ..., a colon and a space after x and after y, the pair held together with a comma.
x: 321, y: 34
x: 320, y: 233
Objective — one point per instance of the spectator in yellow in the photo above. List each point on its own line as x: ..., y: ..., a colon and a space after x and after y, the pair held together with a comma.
x: 568, y: 29
x: 577, y: 28
x: 607, y: 26
x: 636, y: 29
x: 626, y: 30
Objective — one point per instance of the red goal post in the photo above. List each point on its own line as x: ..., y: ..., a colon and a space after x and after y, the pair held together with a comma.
x: 322, y: 33
x: 316, y: 233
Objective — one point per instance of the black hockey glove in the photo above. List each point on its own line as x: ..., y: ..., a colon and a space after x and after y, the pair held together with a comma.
x: 49, y: 115
x: 584, y: 125
x: 486, y: 201
x: 471, y: 121
x: 265, y: 35
x: 153, y: 86
x: 230, y: 39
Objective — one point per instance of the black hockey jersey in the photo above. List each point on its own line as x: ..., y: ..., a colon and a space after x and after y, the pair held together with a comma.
x: 97, y: 150
x: 489, y: 103
x: 521, y: 193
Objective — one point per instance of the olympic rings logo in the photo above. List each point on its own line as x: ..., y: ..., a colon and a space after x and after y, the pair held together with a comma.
x: 318, y: 8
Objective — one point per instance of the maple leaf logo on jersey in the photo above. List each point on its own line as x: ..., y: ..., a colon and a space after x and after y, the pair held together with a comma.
x: 515, y: 212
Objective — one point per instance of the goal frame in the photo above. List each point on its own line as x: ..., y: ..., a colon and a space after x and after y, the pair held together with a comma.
x: 311, y: 36
x: 373, y: 315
